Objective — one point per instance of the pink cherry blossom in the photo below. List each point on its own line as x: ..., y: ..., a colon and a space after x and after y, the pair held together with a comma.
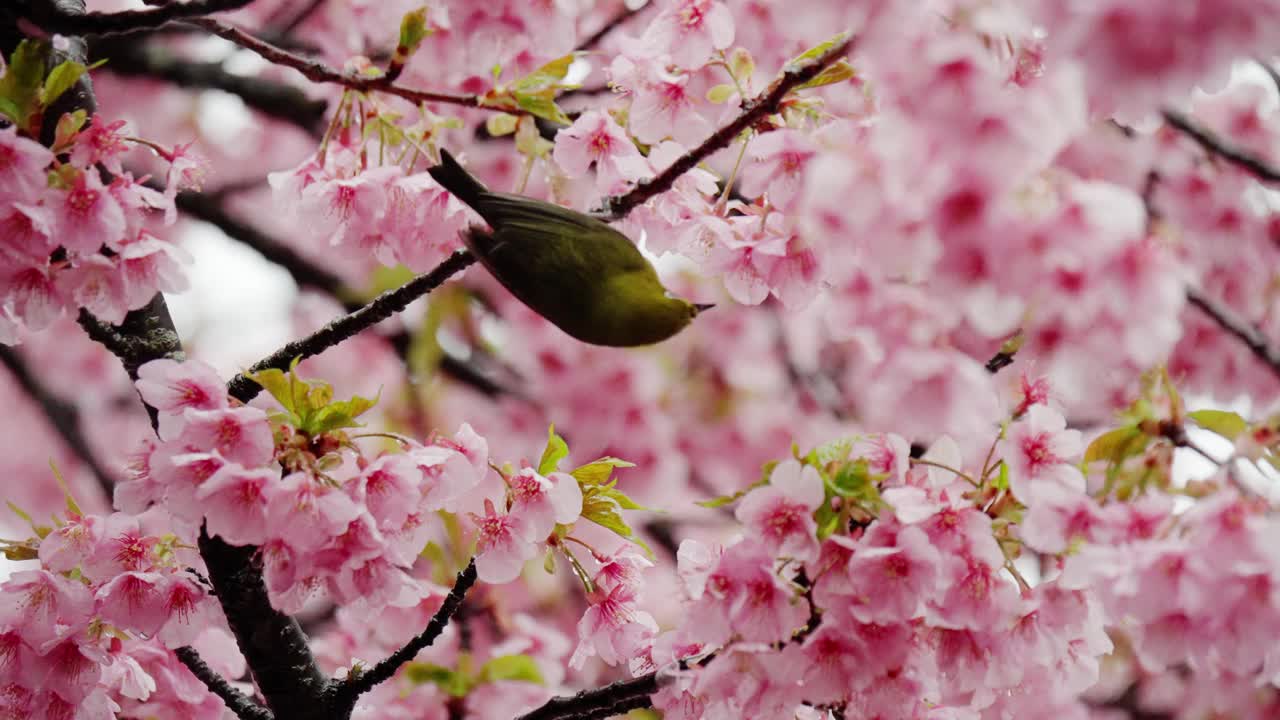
x: 22, y: 165
x: 690, y: 30
x: 235, y: 502
x: 612, y: 628
x: 138, y: 601
x: 541, y: 502
x: 780, y: 515
x: 172, y: 387
x: 101, y: 142
x: 1039, y: 449
x: 594, y: 138
x: 88, y: 215
x: 501, y: 546
x: 888, y: 580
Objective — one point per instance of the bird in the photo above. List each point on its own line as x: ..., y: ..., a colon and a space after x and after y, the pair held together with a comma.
x: 585, y: 277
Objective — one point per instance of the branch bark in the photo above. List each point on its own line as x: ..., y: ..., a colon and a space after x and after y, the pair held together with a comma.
x: 317, y: 71
x: 54, y: 18
x: 357, y: 685
x: 753, y: 111
x: 62, y: 415
x: 273, y: 99
x: 1247, y: 161
x: 618, y: 697
x: 1237, y: 326
x: 379, y: 309
x: 242, y: 705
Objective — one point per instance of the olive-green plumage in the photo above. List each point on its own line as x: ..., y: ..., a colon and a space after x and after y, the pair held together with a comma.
x: 570, y: 268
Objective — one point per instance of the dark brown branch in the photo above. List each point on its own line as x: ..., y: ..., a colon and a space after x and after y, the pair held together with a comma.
x: 237, y: 702
x: 1237, y: 326
x: 206, y: 207
x: 340, y: 329
x: 62, y: 415
x: 591, y: 703
x: 1270, y: 70
x: 618, y: 20
x: 209, y: 208
x: 316, y: 71
x: 129, y: 58
x: 358, y: 684
x: 1244, y: 159
x: 273, y: 643
x: 54, y: 19
x: 301, y: 17
x: 753, y: 111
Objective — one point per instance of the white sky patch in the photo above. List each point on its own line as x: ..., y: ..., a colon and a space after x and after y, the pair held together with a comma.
x: 237, y: 309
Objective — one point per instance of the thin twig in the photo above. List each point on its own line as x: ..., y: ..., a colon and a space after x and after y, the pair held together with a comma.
x: 62, y: 415
x: 340, y: 329
x: 619, y: 19
x: 274, y: 99
x: 588, y: 703
x: 54, y: 19
x: 301, y: 17
x: 1239, y: 327
x: 1244, y: 159
x: 207, y: 207
x: 363, y: 682
x: 237, y: 702
x: 1270, y: 70
x: 317, y: 71
x: 753, y: 111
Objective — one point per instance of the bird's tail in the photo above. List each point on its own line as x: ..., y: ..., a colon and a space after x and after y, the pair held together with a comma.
x: 456, y: 180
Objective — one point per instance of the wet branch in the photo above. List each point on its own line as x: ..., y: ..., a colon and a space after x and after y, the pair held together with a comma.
x: 753, y: 111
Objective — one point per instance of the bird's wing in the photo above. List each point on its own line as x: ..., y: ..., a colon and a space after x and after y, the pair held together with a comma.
x: 528, y: 222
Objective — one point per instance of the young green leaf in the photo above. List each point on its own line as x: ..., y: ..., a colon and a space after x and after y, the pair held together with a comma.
x: 20, y: 85
x: 598, y: 472
x: 815, y: 52
x: 556, y: 451
x: 61, y: 79
x: 1117, y: 445
x: 520, y: 668
x: 836, y: 72
x: 452, y: 682
x: 1223, y: 422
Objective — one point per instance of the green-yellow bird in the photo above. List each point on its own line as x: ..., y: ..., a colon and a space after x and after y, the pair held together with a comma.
x: 570, y: 268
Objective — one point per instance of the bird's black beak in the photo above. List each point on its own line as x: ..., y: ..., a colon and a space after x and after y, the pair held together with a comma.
x: 703, y: 306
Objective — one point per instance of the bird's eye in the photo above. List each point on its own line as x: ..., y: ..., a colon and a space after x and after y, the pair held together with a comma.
x: 667, y: 294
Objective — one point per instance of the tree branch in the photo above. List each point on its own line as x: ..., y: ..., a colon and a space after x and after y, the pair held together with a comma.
x: 62, y: 415
x: 55, y: 19
x: 1244, y: 159
x: 317, y: 71
x: 359, y: 684
x: 1237, y: 326
x: 237, y: 702
x: 300, y: 17
x: 278, y: 100
x: 611, y: 699
x: 208, y: 208
x: 753, y: 111
x: 379, y: 309
x: 619, y: 19
x: 272, y: 643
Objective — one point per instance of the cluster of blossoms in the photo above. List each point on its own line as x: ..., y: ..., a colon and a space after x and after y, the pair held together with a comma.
x: 70, y: 238
x: 88, y: 634
x: 871, y: 584
x: 91, y: 628
x: 880, y: 235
